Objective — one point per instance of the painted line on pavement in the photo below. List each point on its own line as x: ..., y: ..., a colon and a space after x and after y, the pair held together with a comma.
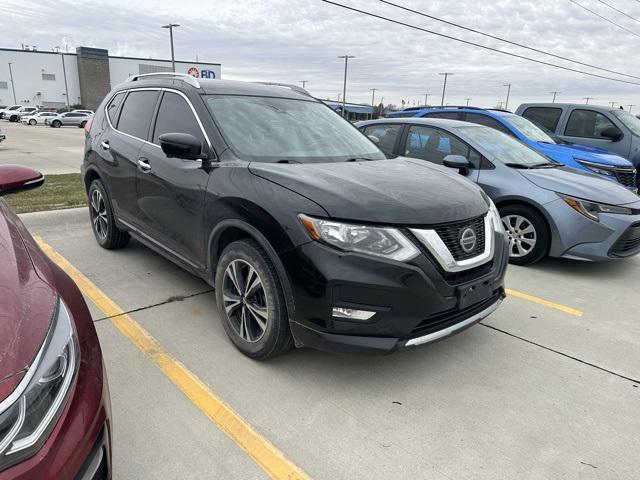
x: 263, y: 452
x: 542, y: 301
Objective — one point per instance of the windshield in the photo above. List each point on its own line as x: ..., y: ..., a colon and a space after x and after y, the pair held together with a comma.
x: 528, y: 129
x: 631, y: 122
x: 502, y: 147
x: 271, y: 129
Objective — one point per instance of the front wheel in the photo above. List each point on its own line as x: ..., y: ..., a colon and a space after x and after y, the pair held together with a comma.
x: 103, y: 223
x: 32, y: 122
x: 251, y: 301
x: 56, y: 124
x: 527, y: 233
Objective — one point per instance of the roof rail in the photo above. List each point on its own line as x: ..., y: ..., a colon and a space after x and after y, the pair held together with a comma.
x: 295, y: 88
x: 499, y: 110
x: 190, y: 79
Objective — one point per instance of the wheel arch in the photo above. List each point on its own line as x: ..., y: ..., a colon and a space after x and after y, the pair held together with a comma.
x: 552, y: 230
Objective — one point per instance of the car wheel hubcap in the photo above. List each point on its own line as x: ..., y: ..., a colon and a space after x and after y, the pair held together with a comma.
x: 521, y: 234
x: 245, y: 301
x: 99, y: 214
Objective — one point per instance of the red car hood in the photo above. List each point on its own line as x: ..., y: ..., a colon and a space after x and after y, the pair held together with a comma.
x: 26, y: 303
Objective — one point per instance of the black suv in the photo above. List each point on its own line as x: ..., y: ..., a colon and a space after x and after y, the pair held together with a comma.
x: 310, y: 235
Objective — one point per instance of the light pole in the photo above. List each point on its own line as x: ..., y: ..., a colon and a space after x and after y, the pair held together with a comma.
x: 64, y: 74
x: 586, y: 99
x: 304, y: 83
x: 630, y: 107
x: 444, y: 86
x: 344, y: 86
x: 426, y: 99
x: 171, y: 26
x: 373, y: 100
x: 554, y: 96
x: 467, y: 99
x: 506, y: 104
x: 13, y: 87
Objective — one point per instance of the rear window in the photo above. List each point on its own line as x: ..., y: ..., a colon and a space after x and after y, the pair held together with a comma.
x: 548, y: 117
x: 136, y: 113
x: 447, y: 115
x: 487, y: 121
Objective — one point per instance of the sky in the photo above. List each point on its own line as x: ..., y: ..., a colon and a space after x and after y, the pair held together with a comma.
x: 293, y: 40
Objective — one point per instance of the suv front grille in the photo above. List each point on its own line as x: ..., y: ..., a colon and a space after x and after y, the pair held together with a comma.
x: 450, y: 235
x: 628, y: 243
x: 626, y: 176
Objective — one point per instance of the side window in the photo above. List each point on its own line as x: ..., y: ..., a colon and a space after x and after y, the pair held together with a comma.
x: 449, y: 115
x: 586, y: 123
x: 387, y: 134
x: 136, y: 113
x: 548, y: 117
x: 434, y: 145
x: 488, y: 122
x: 175, y: 116
x: 112, y: 108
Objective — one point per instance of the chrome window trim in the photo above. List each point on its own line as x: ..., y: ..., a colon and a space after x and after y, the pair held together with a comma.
x: 432, y: 241
x: 157, y: 89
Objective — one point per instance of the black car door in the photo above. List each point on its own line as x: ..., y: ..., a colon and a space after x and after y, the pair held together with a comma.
x: 171, y: 191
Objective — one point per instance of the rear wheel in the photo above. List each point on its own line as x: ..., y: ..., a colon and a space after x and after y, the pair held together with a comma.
x: 527, y: 233
x: 251, y: 301
x: 56, y: 124
x: 82, y: 124
x: 103, y: 224
x: 32, y: 121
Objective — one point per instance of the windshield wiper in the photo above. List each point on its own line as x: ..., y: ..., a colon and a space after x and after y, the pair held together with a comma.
x: 545, y: 165
x: 357, y: 159
x: 518, y: 165
x: 288, y: 161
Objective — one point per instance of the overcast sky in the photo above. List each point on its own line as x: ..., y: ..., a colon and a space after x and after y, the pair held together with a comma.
x: 293, y: 40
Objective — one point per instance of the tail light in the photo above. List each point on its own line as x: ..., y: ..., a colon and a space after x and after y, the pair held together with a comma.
x: 87, y: 126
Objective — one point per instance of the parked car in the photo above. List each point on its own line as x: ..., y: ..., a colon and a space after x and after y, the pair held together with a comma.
x: 546, y: 208
x: 309, y: 234
x: 14, y: 115
x: 12, y: 108
x: 37, y: 118
x: 54, y: 398
x: 610, y: 128
x: 591, y: 159
x: 68, y: 119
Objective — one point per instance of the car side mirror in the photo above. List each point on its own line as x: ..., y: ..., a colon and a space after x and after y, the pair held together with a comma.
x: 457, y: 161
x: 181, y: 145
x: 374, y: 139
x: 16, y: 178
x: 612, y: 133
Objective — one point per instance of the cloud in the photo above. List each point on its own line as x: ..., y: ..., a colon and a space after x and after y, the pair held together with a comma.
x: 294, y: 40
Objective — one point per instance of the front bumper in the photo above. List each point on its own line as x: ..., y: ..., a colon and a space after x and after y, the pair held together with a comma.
x: 415, y: 302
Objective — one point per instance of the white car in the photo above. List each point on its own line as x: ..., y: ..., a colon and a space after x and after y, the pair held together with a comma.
x: 14, y: 115
x: 4, y: 111
x: 37, y: 118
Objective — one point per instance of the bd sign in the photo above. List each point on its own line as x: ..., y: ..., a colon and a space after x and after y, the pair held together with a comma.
x: 194, y: 72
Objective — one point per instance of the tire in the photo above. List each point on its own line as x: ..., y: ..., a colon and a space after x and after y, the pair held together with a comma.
x: 13, y: 118
x: 266, y: 331
x: 103, y: 224
x: 56, y: 124
x: 32, y: 122
x: 528, y: 234
x: 82, y: 124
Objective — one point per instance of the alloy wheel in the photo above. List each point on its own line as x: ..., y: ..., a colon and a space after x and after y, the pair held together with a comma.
x: 99, y: 214
x: 521, y: 233
x: 245, y: 301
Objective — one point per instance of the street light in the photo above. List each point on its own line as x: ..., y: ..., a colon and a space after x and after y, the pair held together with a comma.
x: 467, y: 99
x: 13, y: 87
x: 64, y: 74
x: 554, y: 96
x: 373, y: 100
x: 444, y: 86
x: 586, y: 99
x: 506, y: 104
x: 171, y: 26
x: 344, y: 86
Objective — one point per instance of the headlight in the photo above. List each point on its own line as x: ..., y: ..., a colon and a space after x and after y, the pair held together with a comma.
x: 592, y: 209
x: 597, y: 168
x: 381, y: 242
x: 30, y: 412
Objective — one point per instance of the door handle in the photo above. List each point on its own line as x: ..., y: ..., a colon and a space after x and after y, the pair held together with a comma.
x: 144, y: 165
x: 105, y: 145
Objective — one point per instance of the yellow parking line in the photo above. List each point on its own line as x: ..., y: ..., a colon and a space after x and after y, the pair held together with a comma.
x: 263, y: 452
x: 542, y: 301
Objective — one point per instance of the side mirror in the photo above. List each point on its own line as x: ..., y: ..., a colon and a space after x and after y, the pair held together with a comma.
x: 181, y: 145
x: 16, y: 178
x: 457, y: 161
x: 374, y: 139
x: 612, y: 133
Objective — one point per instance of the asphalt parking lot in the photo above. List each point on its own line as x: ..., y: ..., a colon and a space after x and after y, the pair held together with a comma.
x: 546, y: 388
x: 49, y: 150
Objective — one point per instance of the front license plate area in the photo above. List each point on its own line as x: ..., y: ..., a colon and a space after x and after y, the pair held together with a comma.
x: 472, y: 294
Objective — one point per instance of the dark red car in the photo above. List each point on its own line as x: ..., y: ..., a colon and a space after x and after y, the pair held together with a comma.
x: 55, y: 412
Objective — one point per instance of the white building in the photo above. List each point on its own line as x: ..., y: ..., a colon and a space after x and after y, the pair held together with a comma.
x: 38, y: 78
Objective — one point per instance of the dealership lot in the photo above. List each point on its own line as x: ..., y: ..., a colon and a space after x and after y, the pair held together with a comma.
x: 538, y: 391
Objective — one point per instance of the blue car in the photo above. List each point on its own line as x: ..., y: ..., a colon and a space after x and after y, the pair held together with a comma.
x: 581, y: 157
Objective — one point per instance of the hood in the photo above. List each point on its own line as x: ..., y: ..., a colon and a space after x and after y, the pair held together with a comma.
x: 580, y: 184
x: 397, y: 191
x: 26, y: 304
x: 584, y: 152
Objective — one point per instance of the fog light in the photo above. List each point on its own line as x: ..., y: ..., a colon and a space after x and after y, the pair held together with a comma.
x: 352, y: 314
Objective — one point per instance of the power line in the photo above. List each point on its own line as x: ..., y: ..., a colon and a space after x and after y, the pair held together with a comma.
x: 604, y: 18
x: 619, y: 11
x: 510, y: 42
x: 467, y: 42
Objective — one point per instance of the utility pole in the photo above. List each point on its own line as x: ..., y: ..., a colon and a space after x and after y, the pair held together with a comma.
x: 467, y: 99
x: 171, y: 26
x: 630, y: 107
x: 444, y: 86
x: 304, y: 83
x: 612, y: 104
x: 506, y: 104
x: 586, y: 99
x: 373, y: 100
x: 13, y: 87
x: 344, y: 85
x: 554, y: 96
x: 426, y: 99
